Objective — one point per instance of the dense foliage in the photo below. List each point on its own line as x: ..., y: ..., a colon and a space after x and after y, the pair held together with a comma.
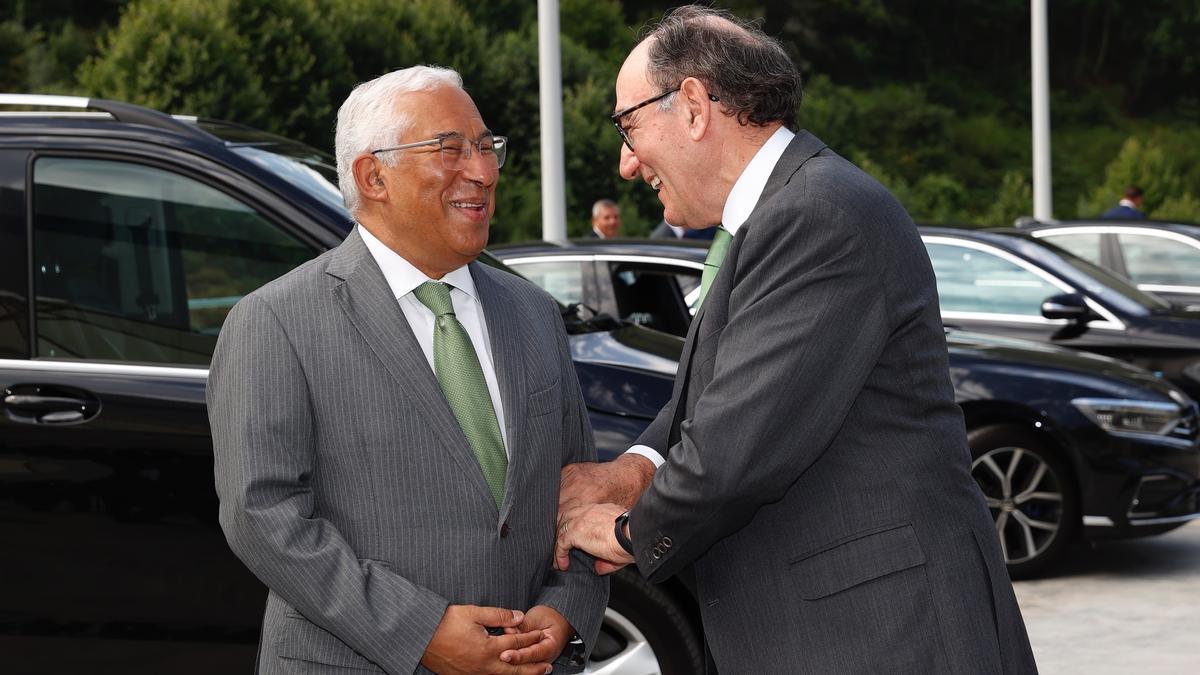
x: 930, y: 97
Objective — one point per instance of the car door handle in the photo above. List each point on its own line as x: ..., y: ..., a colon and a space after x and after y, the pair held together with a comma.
x: 32, y: 403
x: 48, y: 404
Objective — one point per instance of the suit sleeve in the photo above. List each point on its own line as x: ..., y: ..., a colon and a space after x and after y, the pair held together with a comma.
x: 578, y: 593
x: 263, y: 446
x: 807, y: 322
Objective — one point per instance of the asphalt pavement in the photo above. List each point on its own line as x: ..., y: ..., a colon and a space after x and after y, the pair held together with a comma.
x: 1122, y: 607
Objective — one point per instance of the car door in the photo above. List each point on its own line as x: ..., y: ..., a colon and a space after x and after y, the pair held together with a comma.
x: 655, y: 293
x: 105, y: 455
x: 984, y: 288
x: 1164, y: 263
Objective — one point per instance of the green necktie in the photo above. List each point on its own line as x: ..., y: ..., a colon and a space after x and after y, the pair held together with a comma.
x: 712, y: 263
x: 461, y: 377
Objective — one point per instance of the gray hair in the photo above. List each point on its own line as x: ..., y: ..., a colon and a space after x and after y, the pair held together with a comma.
x: 604, y: 204
x: 747, y: 69
x: 368, y: 119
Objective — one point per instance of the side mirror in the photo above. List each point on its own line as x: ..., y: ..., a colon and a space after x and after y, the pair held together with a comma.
x: 1066, y: 306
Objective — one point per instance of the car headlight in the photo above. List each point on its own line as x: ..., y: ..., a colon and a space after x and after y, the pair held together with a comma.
x: 1124, y: 416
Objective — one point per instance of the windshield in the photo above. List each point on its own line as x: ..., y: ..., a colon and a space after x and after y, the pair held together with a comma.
x: 1097, y: 281
x: 304, y: 166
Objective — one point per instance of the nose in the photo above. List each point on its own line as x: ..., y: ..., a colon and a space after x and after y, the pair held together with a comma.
x: 629, y: 163
x: 479, y: 168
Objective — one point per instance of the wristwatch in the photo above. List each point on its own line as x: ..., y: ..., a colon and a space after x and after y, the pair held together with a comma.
x: 620, y: 533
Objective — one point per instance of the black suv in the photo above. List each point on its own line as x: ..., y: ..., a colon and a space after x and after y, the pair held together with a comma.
x: 125, y: 237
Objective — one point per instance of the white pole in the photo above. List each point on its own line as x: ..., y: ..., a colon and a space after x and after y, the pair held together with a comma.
x: 554, y: 190
x: 1043, y: 208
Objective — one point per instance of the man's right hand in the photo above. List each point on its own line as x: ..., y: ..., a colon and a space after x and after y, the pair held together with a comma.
x: 621, y: 481
x: 461, y: 644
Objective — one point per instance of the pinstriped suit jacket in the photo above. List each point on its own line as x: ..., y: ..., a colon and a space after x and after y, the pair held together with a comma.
x: 817, y: 473
x: 347, y: 486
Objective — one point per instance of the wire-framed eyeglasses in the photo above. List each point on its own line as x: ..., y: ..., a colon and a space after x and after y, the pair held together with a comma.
x: 456, y: 149
x: 616, y: 117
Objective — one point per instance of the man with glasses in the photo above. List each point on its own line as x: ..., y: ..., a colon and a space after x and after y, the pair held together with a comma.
x: 389, y: 420
x: 811, y: 471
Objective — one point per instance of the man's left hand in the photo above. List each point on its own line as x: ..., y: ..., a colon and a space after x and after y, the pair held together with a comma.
x: 555, y: 631
x: 590, y: 529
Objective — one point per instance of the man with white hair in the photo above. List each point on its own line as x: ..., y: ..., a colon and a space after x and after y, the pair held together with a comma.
x: 389, y: 420
x: 606, y: 219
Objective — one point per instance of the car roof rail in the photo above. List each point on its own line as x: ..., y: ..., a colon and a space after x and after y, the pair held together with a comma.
x: 121, y: 112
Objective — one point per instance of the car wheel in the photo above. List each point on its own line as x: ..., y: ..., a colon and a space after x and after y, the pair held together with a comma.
x: 645, y: 632
x: 1031, y: 494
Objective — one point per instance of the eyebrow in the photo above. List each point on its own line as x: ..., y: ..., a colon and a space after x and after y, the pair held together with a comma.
x: 447, y: 134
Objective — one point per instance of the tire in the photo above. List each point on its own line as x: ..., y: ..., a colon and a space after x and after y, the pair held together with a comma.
x: 1031, y: 494
x: 645, y: 632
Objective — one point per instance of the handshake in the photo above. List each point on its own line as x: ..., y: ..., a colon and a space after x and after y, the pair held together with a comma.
x: 473, y: 639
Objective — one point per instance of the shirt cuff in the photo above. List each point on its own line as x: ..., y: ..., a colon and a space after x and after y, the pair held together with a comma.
x: 649, y: 453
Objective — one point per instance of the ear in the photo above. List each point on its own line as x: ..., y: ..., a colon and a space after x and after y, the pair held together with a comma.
x: 698, y: 107
x: 368, y: 177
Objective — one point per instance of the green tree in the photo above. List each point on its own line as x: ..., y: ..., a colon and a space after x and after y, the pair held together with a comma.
x: 267, y: 63
x: 1165, y: 163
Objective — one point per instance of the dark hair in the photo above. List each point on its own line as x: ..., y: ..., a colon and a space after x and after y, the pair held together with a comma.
x: 747, y: 69
x: 1133, y: 192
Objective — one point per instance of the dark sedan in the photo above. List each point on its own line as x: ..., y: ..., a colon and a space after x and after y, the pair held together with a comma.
x: 1063, y: 443
x: 1009, y: 283
x: 1160, y: 257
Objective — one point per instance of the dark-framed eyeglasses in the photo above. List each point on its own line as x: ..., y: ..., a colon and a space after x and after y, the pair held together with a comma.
x: 616, y: 117
x: 456, y: 149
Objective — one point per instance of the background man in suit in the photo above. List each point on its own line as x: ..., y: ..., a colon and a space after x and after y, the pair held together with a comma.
x: 1130, y: 206
x: 816, y: 469
x: 665, y: 230
x: 389, y: 420
x: 606, y: 219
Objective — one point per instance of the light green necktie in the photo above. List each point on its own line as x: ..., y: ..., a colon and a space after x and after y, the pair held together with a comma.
x: 712, y: 263
x: 461, y: 377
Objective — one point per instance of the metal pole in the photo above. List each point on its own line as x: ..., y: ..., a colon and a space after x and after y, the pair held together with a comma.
x: 1043, y: 208
x: 554, y: 189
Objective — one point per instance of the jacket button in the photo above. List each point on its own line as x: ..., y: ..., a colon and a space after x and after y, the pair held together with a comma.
x: 666, y: 542
x: 656, y: 553
x: 504, y: 530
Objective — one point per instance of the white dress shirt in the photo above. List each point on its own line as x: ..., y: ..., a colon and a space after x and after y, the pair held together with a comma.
x: 403, y: 278
x: 741, y: 201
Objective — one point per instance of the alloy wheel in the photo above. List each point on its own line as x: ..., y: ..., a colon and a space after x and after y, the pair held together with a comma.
x: 1025, y: 495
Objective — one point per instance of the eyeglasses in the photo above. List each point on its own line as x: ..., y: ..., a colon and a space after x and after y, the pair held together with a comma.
x: 455, y: 149
x: 616, y: 117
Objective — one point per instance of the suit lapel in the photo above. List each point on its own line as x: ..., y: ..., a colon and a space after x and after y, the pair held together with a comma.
x: 366, y: 298
x: 801, y: 148
x: 509, y: 333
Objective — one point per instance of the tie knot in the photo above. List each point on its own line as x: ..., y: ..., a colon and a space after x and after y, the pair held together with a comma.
x: 718, y: 247
x: 436, y: 296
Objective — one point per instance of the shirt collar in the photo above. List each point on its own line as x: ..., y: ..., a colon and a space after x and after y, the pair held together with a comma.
x: 402, y: 277
x: 1127, y: 202
x: 749, y: 186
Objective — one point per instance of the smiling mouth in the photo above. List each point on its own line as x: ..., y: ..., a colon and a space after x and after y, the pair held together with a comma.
x: 656, y: 183
x: 458, y: 204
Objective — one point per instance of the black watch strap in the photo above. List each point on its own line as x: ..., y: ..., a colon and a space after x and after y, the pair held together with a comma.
x: 620, y: 533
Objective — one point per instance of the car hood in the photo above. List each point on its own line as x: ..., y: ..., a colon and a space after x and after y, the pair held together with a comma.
x: 627, y: 371
x: 1083, y: 372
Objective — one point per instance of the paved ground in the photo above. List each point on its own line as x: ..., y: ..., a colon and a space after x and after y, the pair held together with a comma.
x: 1121, y: 607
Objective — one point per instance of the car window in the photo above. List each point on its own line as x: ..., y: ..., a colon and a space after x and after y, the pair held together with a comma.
x: 135, y: 263
x: 1084, y: 245
x: 655, y: 296
x: 970, y: 280
x: 563, y: 280
x: 1155, y: 260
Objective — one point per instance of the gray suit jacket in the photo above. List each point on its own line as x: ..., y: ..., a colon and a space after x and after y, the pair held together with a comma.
x: 349, y: 489
x: 817, y: 473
